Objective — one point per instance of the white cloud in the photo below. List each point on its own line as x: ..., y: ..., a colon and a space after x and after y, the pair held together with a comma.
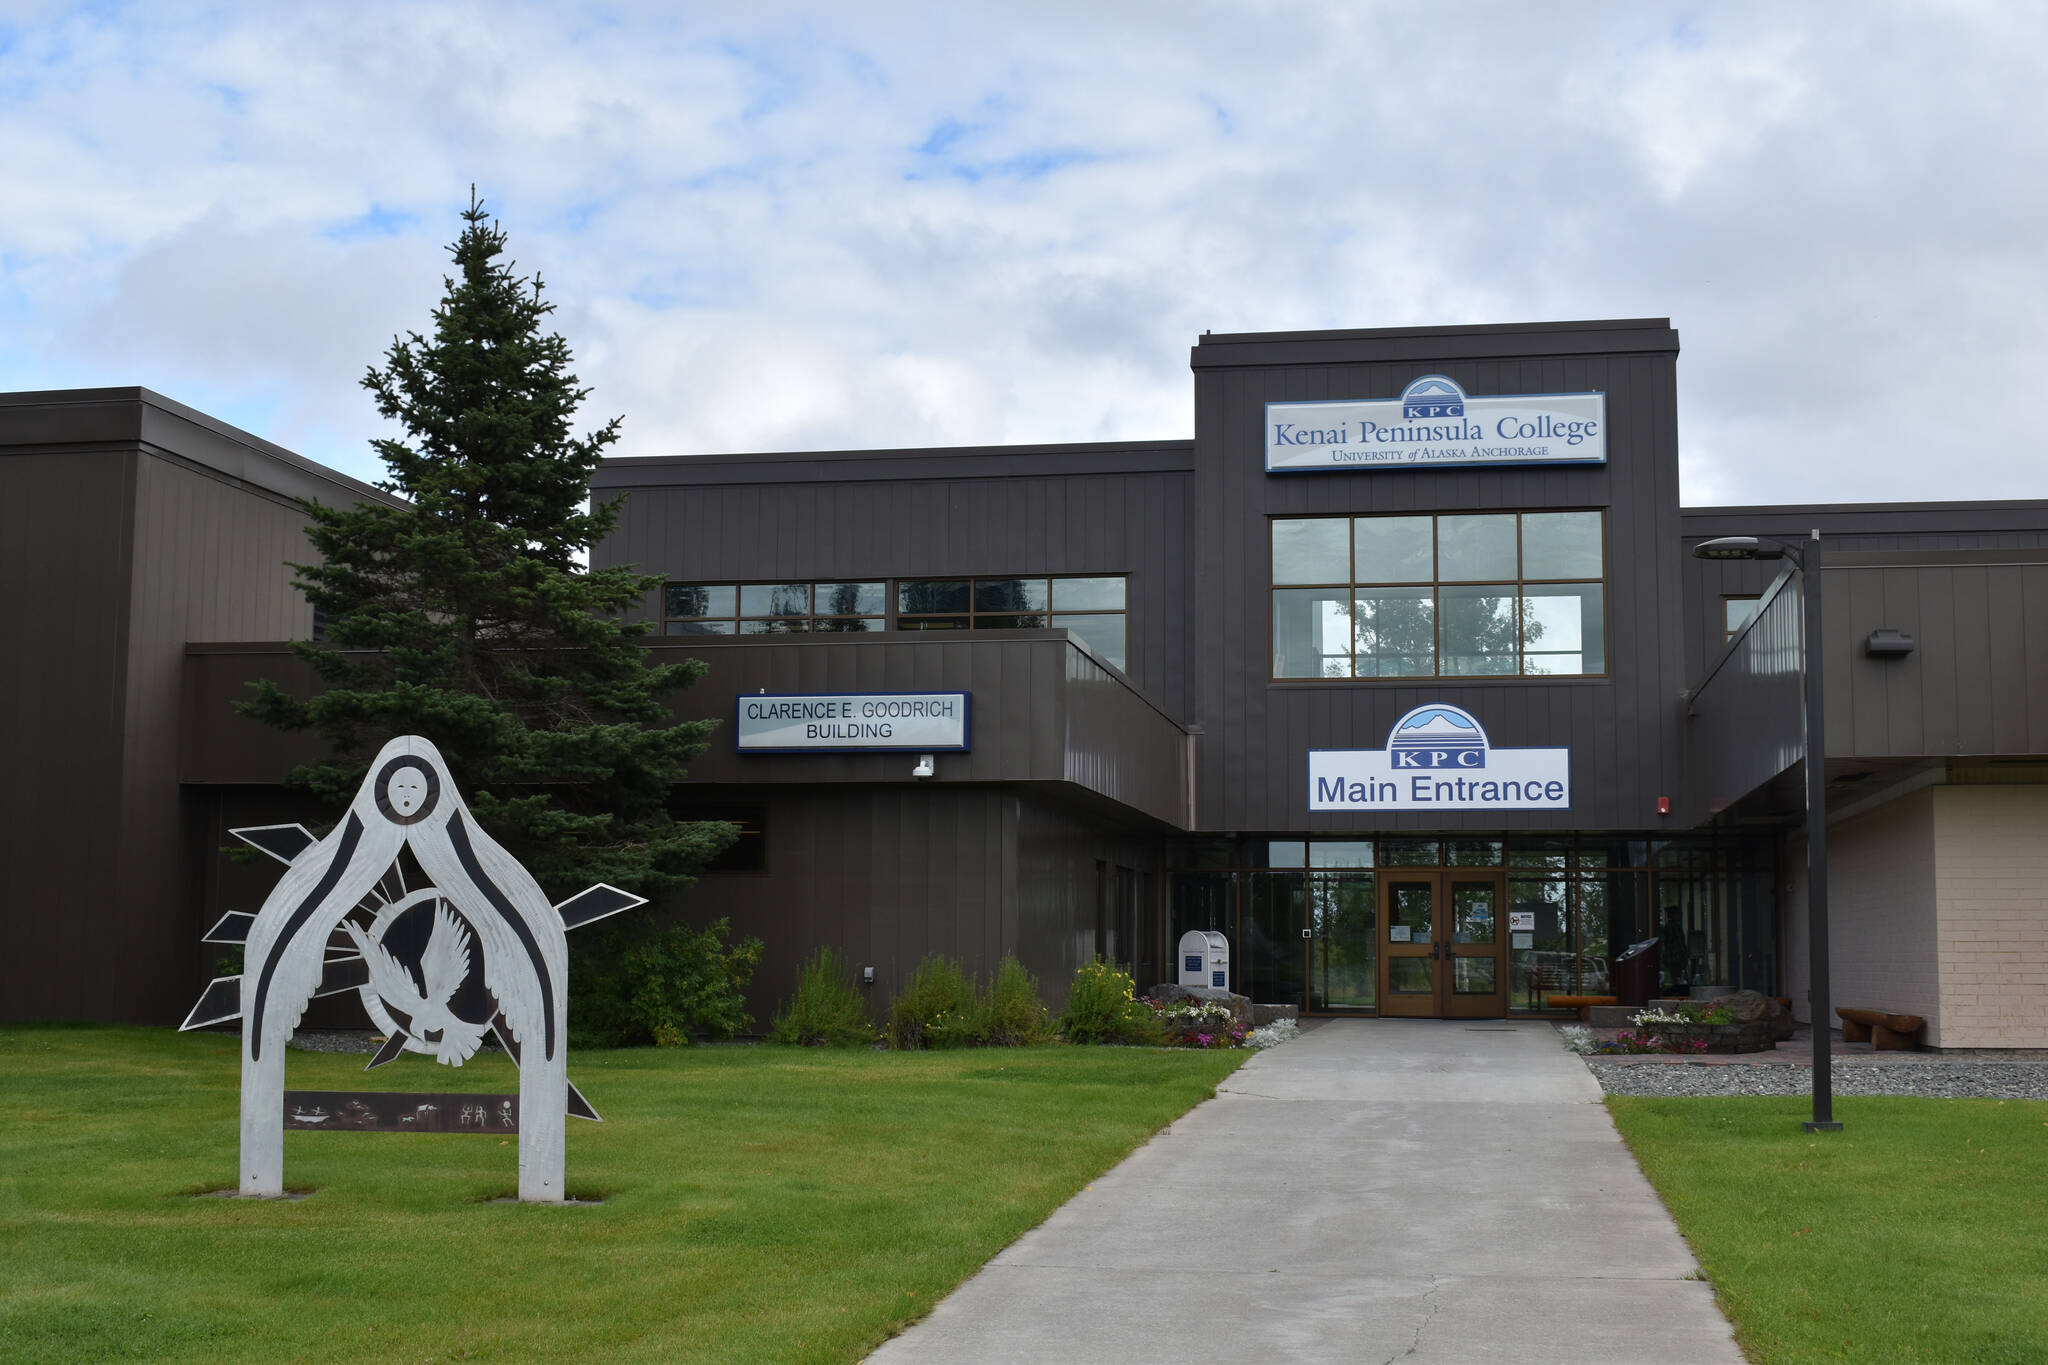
x: 799, y: 225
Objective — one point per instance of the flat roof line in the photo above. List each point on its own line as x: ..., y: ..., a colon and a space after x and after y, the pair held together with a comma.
x: 899, y: 453
x: 1469, y: 329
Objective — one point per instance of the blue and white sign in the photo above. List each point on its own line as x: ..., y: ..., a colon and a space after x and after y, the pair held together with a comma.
x: 1433, y: 422
x: 1437, y: 758
x: 851, y: 722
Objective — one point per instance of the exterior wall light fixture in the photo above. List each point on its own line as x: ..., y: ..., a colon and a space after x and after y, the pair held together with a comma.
x: 1886, y: 643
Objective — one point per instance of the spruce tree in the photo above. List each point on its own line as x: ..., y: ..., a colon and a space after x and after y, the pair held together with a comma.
x: 469, y: 615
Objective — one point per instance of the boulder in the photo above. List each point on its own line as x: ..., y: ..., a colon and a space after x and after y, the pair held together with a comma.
x: 1240, y: 1007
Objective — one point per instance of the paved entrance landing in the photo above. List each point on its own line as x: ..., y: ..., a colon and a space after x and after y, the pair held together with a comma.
x: 1381, y: 1190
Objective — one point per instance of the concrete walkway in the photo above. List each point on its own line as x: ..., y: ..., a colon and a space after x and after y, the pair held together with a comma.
x: 1380, y: 1190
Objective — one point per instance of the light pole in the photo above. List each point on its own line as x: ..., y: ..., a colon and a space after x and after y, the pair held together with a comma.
x: 1814, y: 734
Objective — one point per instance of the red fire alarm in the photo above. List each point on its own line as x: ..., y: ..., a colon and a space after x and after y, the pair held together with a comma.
x: 1663, y: 805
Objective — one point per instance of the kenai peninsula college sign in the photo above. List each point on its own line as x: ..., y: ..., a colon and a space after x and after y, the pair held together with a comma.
x: 1434, y: 423
x: 1437, y: 758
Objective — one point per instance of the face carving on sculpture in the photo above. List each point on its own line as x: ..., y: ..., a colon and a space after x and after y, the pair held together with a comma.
x: 407, y: 790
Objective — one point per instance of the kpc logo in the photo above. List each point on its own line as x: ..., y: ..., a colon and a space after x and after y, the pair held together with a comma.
x: 1437, y: 736
x: 1433, y: 395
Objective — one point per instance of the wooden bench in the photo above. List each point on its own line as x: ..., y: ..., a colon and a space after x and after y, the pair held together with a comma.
x: 1582, y: 1003
x: 1885, y: 1032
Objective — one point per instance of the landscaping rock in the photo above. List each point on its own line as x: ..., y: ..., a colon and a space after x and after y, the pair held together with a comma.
x: 1240, y: 1006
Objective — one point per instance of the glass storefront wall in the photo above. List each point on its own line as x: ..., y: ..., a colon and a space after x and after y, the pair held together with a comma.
x: 1302, y: 915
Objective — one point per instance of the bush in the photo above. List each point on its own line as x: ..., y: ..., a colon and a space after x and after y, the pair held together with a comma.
x: 828, y: 1009
x: 1011, y: 1014
x: 665, y: 990
x: 1102, y: 1007
x: 941, y: 1007
x: 936, y: 1008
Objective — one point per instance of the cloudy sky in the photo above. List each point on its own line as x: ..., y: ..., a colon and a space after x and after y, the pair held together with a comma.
x: 803, y: 226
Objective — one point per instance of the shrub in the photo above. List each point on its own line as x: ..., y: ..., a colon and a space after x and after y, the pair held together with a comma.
x: 827, y: 1010
x: 1273, y: 1034
x: 936, y: 1008
x: 1011, y: 1014
x: 1102, y: 1008
x: 667, y: 989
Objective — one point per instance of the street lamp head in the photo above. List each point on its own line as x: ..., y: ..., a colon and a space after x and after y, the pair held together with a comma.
x: 1737, y: 547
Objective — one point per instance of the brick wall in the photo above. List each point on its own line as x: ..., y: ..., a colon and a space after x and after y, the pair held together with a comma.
x: 1991, y: 856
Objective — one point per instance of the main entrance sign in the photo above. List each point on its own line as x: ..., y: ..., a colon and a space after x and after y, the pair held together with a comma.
x: 1437, y: 758
x: 1433, y: 422
x: 851, y: 722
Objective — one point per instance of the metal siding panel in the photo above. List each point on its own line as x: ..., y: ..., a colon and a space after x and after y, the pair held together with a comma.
x: 1905, y: 686
x: 1939, y: 733
x: 1975, y: 714
x: 2005, y: 606
x: 1867, y: 706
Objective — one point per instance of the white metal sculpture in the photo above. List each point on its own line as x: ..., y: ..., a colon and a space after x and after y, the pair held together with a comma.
x: 323, y: 929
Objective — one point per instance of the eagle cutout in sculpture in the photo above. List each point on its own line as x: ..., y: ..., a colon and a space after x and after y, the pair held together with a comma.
x: 443, y: 967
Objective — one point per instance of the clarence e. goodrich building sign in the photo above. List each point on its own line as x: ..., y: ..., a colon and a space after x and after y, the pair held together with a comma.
x: 1405, y: 646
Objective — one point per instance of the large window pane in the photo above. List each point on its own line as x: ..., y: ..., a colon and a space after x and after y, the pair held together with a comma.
x: 1562, y: 629
x: 1394, y: 550
x: 699, y: 599
x: 1481, y: 547
x: 1088, y: 594
x: 775, y: 599
x: 1737, y: 612
x: 1312, y: 632
x: 1478, y: 629
x: 919, y: 597
x: 1396, y: 630
x: 1009, y: 594
x: 1410, y: 853
x: 852, y: 599
x: 1103, y: 634
x: 1560, y: 545
x: 1313, y: 550
x: 1340, y: 853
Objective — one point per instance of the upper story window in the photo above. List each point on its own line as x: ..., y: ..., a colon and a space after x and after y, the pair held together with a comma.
x: 1737, y: 612
x: 1489, y: 594
x: 1094, y: 610
x: 772, y: 608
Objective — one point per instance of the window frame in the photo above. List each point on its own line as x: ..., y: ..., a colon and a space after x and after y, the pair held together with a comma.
x: 1517, y: 675
x: 1730, y: 632
x: 891, y: 616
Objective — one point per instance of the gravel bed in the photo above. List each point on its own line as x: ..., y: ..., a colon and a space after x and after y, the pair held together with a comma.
x: 1934, y: 1080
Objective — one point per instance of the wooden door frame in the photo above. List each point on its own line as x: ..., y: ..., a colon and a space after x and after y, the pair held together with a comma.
x: 1442, y: 1003
x: 1495, y: 1005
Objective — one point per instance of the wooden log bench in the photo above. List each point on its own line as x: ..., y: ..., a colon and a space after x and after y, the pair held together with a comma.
x: 1582, y: 1003
x: 1885, y: 1032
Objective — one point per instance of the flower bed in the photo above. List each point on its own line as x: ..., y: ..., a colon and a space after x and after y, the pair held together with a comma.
x: 1197, y: 1023
x: 1692, y: 1028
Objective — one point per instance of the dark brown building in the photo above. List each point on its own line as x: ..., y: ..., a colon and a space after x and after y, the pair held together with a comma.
x: 1398, y: 675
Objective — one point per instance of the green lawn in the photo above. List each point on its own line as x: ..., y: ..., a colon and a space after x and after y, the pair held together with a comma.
x: 1919, y: 1233
x: 760, y: 1203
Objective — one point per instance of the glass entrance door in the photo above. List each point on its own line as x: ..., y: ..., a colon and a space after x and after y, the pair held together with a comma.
x: 1343, y: 966
x: 1441, y: 945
